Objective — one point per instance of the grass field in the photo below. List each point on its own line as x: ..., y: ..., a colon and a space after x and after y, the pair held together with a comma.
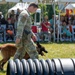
x: 55, y: 50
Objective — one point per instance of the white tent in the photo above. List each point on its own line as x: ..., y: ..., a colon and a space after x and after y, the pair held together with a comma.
x: 19, y: 0
x: 21, y: 6
x: 65, y: 1
x: 38, y: 10
x: 22, y: 0
x: 46, y: 1
x: 70, y: 6
x: 12, y: 1
x: 29, y: 0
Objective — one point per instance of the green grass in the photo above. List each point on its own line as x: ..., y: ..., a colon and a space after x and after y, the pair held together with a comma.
x: 55, y: 50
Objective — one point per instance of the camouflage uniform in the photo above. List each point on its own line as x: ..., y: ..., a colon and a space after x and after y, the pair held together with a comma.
x: 24, y: 33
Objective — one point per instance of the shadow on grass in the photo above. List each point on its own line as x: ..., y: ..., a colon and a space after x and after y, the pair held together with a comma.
x: 47, y: 42
x: 57, y: 42
x: 6, y: 42
x: 65, y: 42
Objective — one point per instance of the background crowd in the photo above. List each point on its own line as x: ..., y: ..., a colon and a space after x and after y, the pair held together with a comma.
x: 44, y: 31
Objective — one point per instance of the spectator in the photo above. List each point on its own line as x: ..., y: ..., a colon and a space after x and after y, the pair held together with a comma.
x: 9, y: 21
x: 74, y: 20
x: 12, y: 13
x: 3, y: 21
x: 18, y: 12
x: 66, y: 19
x: 13, y: 18
x: 65, y: 31
x: 1, y: 15
x: 52, y: 22
x: 61, y: 20
x: 45, y: 28
x: 0, y: 19
x: 70, y: 25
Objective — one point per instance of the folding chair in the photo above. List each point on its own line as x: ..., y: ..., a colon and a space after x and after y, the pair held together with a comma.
x: 4, y: 32
x: 1, y: 37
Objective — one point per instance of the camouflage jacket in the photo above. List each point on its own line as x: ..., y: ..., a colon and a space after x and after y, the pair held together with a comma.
x: 24, y: 23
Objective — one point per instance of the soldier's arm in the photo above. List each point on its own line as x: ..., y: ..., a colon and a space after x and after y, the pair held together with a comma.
x: 32, y: 33
x: 20, y: 25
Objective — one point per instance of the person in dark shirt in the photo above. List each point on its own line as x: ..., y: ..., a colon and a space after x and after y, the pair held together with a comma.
x: 3, y: 21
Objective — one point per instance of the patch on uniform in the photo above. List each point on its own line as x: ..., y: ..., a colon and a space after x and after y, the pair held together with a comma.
x: 25, y: 15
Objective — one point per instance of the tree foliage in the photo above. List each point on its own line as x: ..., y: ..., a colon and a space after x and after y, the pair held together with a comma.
x: 45, y: 9
x: 4, y: 7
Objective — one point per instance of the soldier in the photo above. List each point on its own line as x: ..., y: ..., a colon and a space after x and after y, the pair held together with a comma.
x: 23, y: 41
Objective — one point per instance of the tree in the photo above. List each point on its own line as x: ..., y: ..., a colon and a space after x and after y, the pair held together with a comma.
x: 43, y: 8
x: 5, y: 7
x: 50, y: 11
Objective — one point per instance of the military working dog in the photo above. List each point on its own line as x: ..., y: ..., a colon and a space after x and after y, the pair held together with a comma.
x: 8, y: 50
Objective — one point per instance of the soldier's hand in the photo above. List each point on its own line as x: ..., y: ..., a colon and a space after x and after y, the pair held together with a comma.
x: 17, y: 41
x: 34, y: 38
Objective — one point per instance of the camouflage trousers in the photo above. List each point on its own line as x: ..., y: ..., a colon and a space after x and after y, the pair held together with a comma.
x: 28, y: 48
